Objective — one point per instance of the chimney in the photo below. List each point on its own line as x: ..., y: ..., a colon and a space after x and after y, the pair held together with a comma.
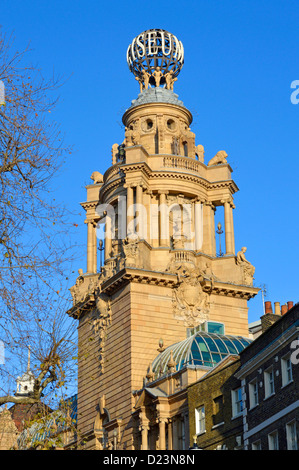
x: 268, y: 307
x: 290, y: 305
x: 277, y: 308
x: 284, y: 309
x: 269, y: 317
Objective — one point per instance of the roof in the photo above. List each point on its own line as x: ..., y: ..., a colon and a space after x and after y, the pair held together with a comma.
x: 201, y: 349
x: 157, y: 95
x: 51, y: 425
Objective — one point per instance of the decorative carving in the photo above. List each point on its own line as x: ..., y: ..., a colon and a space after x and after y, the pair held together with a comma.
x: 190, y: 301
x: 83, y: 287
x: 131, y: 250
x: 247, y: 268
x: 200, y: 152
x: 100, y: 321
x: 220, y: 158
x: 97, y: 177
x: 114, y: 151
x: 132, y: 136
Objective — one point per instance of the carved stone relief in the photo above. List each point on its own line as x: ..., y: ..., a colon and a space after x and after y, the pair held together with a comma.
x: 190, y: 302
x: 100, y: 322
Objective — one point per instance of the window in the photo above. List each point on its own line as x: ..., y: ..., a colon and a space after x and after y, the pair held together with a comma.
x: 286, y: 370
x: 292, y: 443
x: 185, y: 149
x: 218, y: 410
x: 237, y: 403
x: 256, y: 445
x: 269, y: 382
x: 215, y: 327
x: 253, y: 394
x: 209, y: 327
x: 200, y: 425
x: 273, y: 441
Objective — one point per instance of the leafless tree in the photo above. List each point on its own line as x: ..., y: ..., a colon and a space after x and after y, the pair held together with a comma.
x: 35, y: 250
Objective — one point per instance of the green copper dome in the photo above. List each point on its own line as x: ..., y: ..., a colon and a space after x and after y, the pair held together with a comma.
x: 201, y: 349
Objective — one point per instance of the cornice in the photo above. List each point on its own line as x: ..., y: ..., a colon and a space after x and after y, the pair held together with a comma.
x: 230, y: 290
x: 141, y: 276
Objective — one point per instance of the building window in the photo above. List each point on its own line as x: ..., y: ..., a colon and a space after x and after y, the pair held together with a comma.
x: 237, y: 403
x: 209, y: 327
x: 286, y: 370
x: 218, y: 411
x: 185, y: 145
x: 273, y: 441
x: 256, y: 445
x: 269, y: 382
x: 292, y: 443
x: 253, y: 394
x: 200, y: 422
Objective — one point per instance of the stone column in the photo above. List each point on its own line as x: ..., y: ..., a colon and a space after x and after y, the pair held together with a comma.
x: 232, y: 228
x: 91, y: 251
x: 198, y: 225
x: 162, y: 435
x: 130, y: 211
x: 144, y: 428
x: 95, y: 260
x: 108, y: 236
x: 169, y: 428
x: 228, y: 227
x: 163, y: 219
x: 139, y: 211
x: 147, y: 227
x: 209, y: 240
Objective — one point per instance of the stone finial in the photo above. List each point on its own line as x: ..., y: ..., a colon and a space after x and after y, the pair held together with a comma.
x: 150, y: 374
x: 171, y: 363
x: 161, y: 347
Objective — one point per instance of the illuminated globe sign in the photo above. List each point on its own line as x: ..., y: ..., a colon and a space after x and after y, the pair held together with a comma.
x: 152, y: 51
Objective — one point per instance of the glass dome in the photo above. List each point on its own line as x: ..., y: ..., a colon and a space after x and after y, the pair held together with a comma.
x: 201, y: 349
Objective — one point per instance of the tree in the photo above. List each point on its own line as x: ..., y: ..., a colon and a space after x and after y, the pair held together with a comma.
x: 35, y: 249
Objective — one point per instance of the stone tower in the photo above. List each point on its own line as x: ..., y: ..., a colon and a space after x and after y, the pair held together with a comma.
x: 161, y: 276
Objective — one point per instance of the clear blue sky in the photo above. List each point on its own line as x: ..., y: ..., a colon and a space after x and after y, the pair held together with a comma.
x: 240, y: 59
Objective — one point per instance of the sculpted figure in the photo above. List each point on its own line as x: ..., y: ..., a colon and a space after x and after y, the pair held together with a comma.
x: 139, y: 80
x: 248, y: 268
x: 170, y: 79
x: 219, y: 158
x: 176, y: 146
x: 157, y: 76
x: 145, y: 77
x: 131, y: 137
x: 97, y: 177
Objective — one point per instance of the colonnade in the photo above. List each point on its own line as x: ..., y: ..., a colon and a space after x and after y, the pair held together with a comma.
x: 147, y: 215
x: 173, y: 433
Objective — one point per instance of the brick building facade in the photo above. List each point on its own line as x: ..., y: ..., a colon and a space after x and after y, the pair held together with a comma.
x: 269, y: 374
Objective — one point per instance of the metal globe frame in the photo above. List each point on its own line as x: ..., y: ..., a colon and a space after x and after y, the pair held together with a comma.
x: 155, y: 48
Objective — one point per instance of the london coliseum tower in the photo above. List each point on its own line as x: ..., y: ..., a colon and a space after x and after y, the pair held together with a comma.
x: 161, y: 287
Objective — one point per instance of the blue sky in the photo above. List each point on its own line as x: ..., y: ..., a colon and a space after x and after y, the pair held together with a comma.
x: 240, y: 60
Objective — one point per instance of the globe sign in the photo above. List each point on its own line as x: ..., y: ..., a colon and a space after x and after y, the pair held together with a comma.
x: 155, y: 48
